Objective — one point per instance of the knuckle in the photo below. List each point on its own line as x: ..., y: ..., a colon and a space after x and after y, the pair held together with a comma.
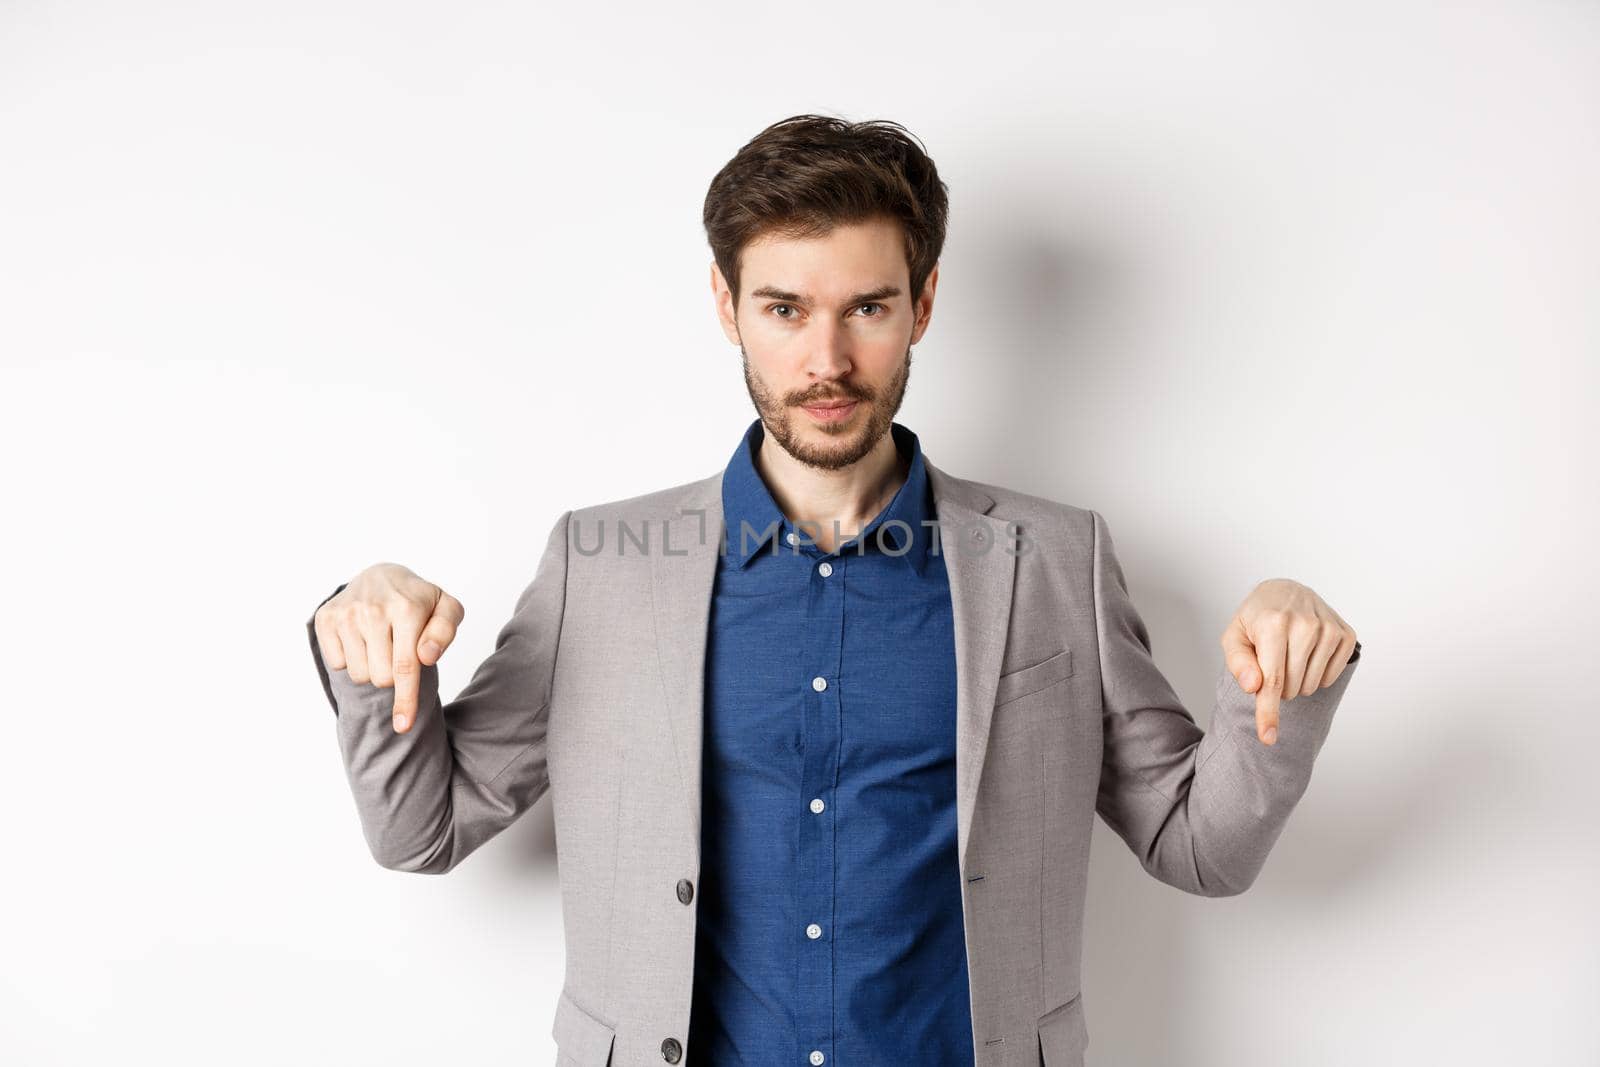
x: 400, y: 606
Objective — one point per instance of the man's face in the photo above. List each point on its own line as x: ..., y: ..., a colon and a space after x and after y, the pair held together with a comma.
x: 823, y: 322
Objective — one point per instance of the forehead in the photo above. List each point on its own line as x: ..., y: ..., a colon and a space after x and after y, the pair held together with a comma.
x: 851, y: 256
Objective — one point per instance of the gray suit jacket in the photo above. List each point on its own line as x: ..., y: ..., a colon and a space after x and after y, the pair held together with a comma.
x: 593, y: 693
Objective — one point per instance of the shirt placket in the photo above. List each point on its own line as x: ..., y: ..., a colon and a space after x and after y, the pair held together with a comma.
x: 821, y: 652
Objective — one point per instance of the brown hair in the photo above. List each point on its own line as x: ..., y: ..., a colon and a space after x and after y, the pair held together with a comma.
x: 805, y: 174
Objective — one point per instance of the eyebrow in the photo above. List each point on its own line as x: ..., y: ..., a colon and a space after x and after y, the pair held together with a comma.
x: 882, y: 292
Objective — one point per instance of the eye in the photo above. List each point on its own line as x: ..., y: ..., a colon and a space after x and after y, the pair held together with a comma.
x: 775, y: 307
x: 880, y: 307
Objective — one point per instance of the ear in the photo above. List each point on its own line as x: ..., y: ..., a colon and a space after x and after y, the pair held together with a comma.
x: 724, y: 302
x: 923, y: 308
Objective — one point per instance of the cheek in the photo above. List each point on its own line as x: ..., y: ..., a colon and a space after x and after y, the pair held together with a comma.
x: 880, y: 357
x: 771, y: 366
x: 767, y: 334
x: 779, y: 356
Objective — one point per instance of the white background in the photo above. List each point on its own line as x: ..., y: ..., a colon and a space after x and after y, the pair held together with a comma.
x: 1281, y: 289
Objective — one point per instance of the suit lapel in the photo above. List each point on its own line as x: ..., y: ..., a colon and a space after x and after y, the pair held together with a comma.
x: 981, y: 572
x: 682, y: 586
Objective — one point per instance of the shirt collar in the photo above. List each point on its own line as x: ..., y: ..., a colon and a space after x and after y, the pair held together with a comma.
x: 746, y: 500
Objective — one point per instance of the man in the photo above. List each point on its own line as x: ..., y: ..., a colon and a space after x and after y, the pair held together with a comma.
x: 825, y: 731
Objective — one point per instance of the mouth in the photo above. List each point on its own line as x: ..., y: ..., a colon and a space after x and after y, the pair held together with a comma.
x: 833, y: 411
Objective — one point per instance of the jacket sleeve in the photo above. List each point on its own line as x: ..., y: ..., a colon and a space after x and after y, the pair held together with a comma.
x: 1200, y: 809
x: 466, y: 770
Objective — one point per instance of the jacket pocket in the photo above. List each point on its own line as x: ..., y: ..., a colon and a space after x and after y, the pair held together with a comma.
x: 1028, y: 680
x: 581, y: 1039
x: 1063, y: 1035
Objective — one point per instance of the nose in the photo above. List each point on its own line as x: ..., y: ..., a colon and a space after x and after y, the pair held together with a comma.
x: 828, y: 357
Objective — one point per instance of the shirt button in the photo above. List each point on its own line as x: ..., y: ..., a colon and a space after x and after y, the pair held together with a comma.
x: 817, y: 805
x: 824, y: 568
x: 816, y: 1056
x: 685, y: 890
x: 671, y: 1051
x: 819, y: 683
x: 789, y: 537
x: 813, y: 931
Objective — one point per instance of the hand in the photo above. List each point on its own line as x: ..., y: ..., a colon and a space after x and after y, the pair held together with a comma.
x: 354, y: 632
x: 1284, y: 642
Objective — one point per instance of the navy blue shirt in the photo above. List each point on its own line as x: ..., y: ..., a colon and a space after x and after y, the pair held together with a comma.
x: 830, y: 927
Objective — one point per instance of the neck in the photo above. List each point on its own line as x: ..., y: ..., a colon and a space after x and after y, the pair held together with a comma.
x: 824, y: 500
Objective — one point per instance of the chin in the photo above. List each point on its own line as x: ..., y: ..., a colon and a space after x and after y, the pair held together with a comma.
x: 843, y: 429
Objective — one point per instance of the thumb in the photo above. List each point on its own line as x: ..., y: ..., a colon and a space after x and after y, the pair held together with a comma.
x: 436, y: 637
x: 441, y: 628
x: 1240, y: 656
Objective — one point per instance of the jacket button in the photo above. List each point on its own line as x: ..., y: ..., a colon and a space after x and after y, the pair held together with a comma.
x: 671, y: 1051
x: 685, y: 890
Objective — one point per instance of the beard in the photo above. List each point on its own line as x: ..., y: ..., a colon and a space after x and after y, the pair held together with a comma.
x: 846, y: 443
